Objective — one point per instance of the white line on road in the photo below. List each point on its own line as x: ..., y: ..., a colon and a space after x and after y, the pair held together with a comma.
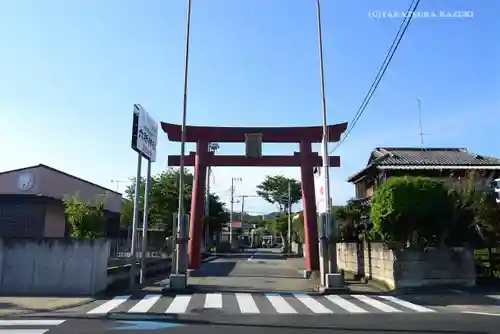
x: 375, y: 303
x: 493, y: 296
x: 30, y: 322
x: 279, y: 303
x: 482, y: 313
x: 406, y: 304
x: 246, y: 303
x: 312, y: 303
x: 213, y: 300
x: 23, y: 331
x: 145, y: 304
x: 345, y: 304
x: 109, y: 305
x: 179, y: 304
x: 253, y: 255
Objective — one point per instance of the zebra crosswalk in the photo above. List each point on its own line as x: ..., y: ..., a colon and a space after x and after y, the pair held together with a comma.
x: 256, y: 303
x: 28, y: 326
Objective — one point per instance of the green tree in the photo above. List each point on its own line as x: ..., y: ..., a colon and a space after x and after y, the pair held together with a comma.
x: 476, y: 217
x: 279, y: 226
x: 274, y: 189
x: 163, y: 201
x: 411, y: 211
x: 85, y: 220
x: 353, y: 220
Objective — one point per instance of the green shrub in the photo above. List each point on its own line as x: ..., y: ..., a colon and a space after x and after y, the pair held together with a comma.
x: 411, y: 211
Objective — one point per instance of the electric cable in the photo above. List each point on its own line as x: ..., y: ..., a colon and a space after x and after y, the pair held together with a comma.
x: 388, y: 58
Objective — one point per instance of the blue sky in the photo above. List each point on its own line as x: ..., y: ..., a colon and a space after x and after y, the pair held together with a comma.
x: 70, y: 72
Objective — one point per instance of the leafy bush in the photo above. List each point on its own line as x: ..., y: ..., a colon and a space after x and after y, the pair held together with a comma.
x: 85, y: 220
x: 411, y: 211
x: 353, y: 221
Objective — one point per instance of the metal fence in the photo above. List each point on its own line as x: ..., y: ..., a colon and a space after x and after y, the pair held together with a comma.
x: 120, y: 250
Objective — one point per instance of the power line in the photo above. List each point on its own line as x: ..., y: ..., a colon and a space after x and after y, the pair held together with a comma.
x: 388, y: 58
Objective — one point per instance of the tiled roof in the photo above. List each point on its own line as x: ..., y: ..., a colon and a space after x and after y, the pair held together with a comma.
x: 429, y: 157
x: 425, y: 158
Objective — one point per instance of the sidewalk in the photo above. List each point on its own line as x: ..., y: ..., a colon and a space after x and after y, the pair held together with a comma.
x: 352, y: 284
x: 25, y: 305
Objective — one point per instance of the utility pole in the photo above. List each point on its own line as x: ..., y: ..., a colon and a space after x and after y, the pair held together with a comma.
x: 231, y: 213
x: 242, y: 212
x: 117, y: 183
x: 325, y: 216
x: 289, y: 236
x: 422, y: 134
x: 242, y: 207
x: 212, y: 147
x: 231, y: 208
x: 207, y: 207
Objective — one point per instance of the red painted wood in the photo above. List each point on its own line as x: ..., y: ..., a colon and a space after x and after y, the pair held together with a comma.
x: 314, y: 134
x: 242, y: 161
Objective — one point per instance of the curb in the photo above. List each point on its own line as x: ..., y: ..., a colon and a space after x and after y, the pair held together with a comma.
x: 57, y: 308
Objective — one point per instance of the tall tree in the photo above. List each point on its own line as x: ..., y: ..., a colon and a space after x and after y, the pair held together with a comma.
x: 163, y: 201
x: 279, y: 226
x: 274, y: 189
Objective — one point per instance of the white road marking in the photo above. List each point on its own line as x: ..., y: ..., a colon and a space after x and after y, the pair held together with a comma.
x: 493, y: 296
x: 246, y: 303
x: 179, y: 304
x: 312, y: 303
x: 406, y: 304
x: 213, y: 300
x: 279, y: 303
x: 23, y: 331
x: 251, y: 258
x: 345, y: 304
x: 375, y: 303
x: 482, y: 313
x: 109, y: 305
x: 31, y: 322
x: 145, y: 304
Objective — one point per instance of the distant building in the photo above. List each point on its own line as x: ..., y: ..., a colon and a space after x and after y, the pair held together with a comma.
x: 439, y: 163
x: 31, y: 202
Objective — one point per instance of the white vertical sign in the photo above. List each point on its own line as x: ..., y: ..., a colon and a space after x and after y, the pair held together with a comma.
x: 144, y: 133
x: 319, y: 185
x: 319, y: 182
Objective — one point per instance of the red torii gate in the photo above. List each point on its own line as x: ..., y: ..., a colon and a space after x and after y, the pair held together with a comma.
x: 202, y: 158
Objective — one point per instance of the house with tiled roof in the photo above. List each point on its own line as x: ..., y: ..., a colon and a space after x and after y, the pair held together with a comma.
x: 442, y: 163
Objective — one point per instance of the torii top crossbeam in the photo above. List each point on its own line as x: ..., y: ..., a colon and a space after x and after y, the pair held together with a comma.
x: 211, y: 134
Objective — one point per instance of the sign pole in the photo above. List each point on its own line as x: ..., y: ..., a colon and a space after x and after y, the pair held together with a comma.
x: 135, y: 221
x: 144, y: 244
x: 144, y: 140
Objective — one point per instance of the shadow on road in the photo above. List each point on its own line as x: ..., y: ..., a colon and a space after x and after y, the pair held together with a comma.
x: 214, y: 269
x: 450, y: 299
x: 358, y: 324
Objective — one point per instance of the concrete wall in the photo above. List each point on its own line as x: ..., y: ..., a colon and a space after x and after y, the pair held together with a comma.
x: 408, y: 268
x: 53, y: 266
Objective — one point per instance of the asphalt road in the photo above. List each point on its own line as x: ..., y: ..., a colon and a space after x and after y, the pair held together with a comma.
x: 263, y: 269
x: 331, y: 324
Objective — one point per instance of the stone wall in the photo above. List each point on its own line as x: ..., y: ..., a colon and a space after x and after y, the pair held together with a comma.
x: 408, y: 268
x: 53, y: 266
